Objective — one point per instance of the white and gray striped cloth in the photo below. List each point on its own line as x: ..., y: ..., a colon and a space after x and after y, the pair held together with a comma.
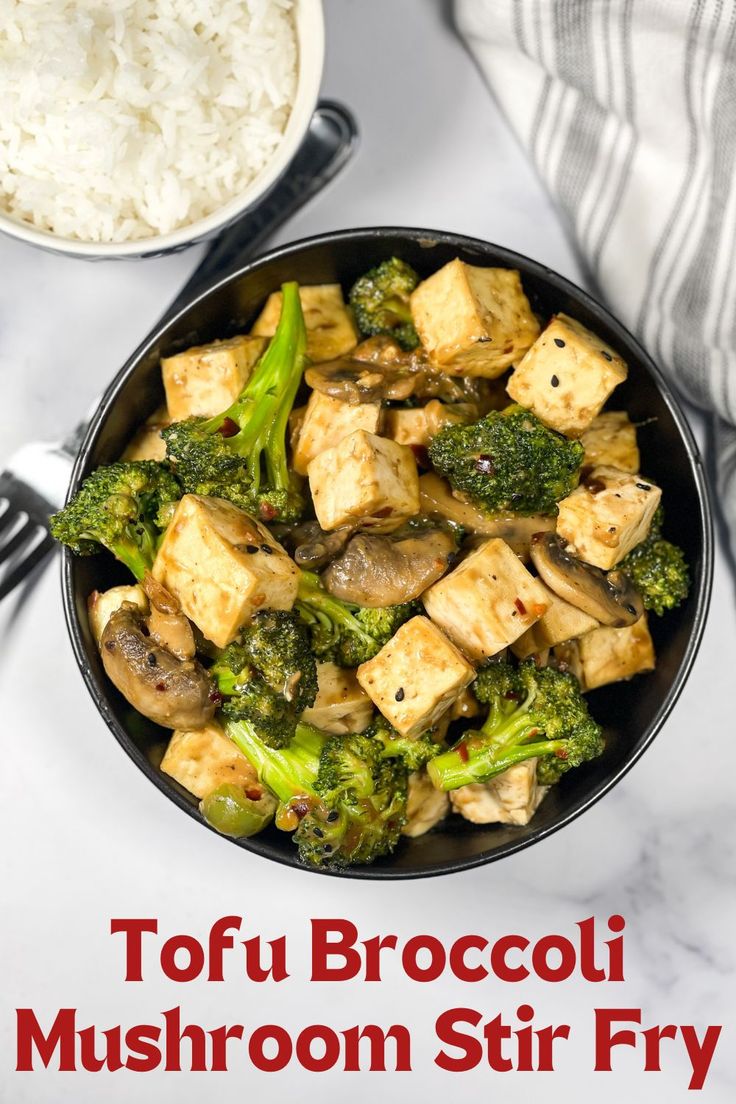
x: 628, y: 110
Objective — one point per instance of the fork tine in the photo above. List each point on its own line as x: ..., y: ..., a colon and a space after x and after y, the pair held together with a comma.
x: 21, y: 536
x: 24, y: 566
x: 7, y: 516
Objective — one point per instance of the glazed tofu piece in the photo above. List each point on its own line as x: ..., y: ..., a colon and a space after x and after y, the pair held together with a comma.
x: 326, y: 422
x: 364, y: 477
x: 204, y: 758
x: 331, y: 331
x: 566, y: 376
x: 205, y: 380
x: 102, y: 605
x: 147, y: 443
x: 341, y: 704
x: 415, y: 678
x: 608, y: 515
x: 511, y: 798
x: 222, y: 566
x: 610, y: 440
x: 487, y: 602
x: 561, y: 622
x: 610, y: 655
x: 425, y: 806
x: 473, y: 321
x: 435, y: 497
x: 416, y: 426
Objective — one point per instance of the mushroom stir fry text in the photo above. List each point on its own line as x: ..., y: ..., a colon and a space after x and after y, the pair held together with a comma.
x: 381, y: 552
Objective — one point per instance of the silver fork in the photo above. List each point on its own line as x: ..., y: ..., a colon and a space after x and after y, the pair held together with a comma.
x: 36, y: 478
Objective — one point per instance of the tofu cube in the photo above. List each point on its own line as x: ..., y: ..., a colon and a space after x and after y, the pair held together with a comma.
x: 207, y: 379
x: 213, y: 558
x: 566, y: 376
x: 607, y: 515
x: 367, y: 478
x: 102, y: 605
x: 415, y: 678
x: 147, y: 443
x: 512, y: 797
x: 610, y: 655
x: 561, y: 622
x: 331, y: 331
x: 326, y: 423
x: 416, y: 426
x: 341, y: 704
x: 204, y: 758
x: 610, y: 440
x: 487, y: 602
x: 425, y: 806
x: 473, y: 321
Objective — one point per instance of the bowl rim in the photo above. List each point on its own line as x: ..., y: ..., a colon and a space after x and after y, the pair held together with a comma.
x: 310, y: 39
x: 507, y: 257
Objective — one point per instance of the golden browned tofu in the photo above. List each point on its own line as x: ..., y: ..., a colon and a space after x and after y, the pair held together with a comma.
x: 204, y: 758
x: 610, y: 655
x: 487, y: 602
x: 510, y: 798
x: 473, y: 321
x: 205, y: 380
x: 328, y: 421
x: 610, y: 441
x: 425, y: 806
x: 607, y: 515
x: 416, y: 426
x: 435, y: 497
x: 560, y: 622
x: 367, y: 478
x: 223, y: 566
x: 331, y: 331
x: 341, y: 704
x: 415, y: 678
x: 147, y: 443
x: 102, y: 605
x: 566, y: 376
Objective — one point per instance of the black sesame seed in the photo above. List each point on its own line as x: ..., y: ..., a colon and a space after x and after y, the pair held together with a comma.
x: 612, y: 529
x: 327, y: 848
x: 555, y: 381
x: 630, y: 609
x: 251, y: 549
x: 605, y: 355
x: 559, y: 343
x: 318, y: 832
x: 644, y: 486
x: 267, y: 549
x: 151, y: 659
x: 399, y: 695
x: 332, y: 816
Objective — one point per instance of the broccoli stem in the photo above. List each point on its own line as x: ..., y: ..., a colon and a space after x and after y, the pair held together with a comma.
x: 315, y: 600
x: 288, y: 772
x: 137, y: 551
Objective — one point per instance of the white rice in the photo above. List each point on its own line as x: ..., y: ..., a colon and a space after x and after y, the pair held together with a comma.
x: 123, y: 119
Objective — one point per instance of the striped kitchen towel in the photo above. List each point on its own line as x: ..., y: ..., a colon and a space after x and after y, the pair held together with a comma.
x: 628, y: 110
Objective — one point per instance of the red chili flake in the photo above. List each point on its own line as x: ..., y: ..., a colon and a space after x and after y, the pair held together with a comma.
x: 215, y: 697
x: 160, y: 686
x: 520, y: 606
x: 300, y: 808
x: 267, y: 511
x: 463, y: 752
x: 484, y: 464
x: 228, y: 428
x: 539, y: 610
x: 561, y: 753
x: 254, y: 794
x: 511, y: 695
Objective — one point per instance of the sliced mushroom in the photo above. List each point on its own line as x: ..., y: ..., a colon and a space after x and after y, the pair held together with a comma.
x: 171, y: 692
x: 611, y: 598
x: 381, y: 571
x: 167, y: 625
x: 313, y: 547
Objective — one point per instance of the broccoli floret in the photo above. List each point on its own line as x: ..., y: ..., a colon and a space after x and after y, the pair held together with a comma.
x: 658, y: 569
x: 346, y: 804
x: 380, y: 302
x: 240, y: 454
x: 268, y: 676
x: 414, y: 753
x: 342, y: 632
x: 508, y: 462
x: 123, y: 507
x: 532, y: 713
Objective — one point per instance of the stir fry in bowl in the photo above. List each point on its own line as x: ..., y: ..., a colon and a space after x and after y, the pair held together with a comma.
x: 380, y: 551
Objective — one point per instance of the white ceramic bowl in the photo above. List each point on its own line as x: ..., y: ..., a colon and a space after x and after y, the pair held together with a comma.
x: 310, y: 34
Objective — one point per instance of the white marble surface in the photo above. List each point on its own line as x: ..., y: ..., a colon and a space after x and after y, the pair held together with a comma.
x: 87, y: 837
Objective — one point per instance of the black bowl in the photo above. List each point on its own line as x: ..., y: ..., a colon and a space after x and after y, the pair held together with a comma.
x: 632, y: 713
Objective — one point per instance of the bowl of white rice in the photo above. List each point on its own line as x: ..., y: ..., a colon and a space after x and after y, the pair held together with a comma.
x: 135, y: 127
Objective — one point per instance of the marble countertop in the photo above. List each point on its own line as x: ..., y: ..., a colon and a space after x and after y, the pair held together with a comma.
x: 88, y: 838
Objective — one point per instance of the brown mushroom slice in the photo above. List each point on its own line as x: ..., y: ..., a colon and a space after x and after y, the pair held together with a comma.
x: 378, y: 571
x: 611, y: 598
x: 167, y: 625
x: 436, y: 499
x: 314, y: 547
x: 171, y: 692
